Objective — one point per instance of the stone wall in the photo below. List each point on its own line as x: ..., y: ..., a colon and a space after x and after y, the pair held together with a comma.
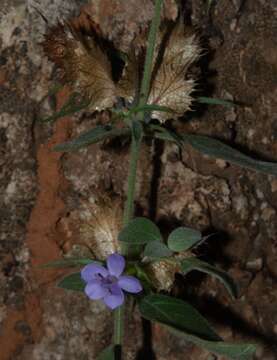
x: 40, y: 189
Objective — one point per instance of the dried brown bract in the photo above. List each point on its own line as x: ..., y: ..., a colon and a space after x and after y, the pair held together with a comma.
x: 162, y: 272
x: 82, y: 63
x: 169, y: 88
x: 100, y: 225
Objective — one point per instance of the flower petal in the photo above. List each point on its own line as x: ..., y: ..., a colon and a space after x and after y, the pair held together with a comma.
x: 115, y: 264
x: 130, y: 284
x: 89, y: 272
x: 115, y: 298
x: 95, y: 290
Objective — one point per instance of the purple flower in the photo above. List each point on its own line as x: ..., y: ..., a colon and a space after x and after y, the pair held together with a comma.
x: 107, y: 284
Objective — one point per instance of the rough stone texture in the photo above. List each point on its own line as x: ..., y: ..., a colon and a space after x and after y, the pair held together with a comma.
x: 39, y: 188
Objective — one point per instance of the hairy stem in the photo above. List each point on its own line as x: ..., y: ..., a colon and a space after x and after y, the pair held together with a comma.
x: 135, y: 150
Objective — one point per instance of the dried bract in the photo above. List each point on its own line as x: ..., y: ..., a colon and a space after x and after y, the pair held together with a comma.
x: 83, y: 65
x: 87, y: 68
x: 100, y: 226
x: 162, y: 272
x: 169, y: 88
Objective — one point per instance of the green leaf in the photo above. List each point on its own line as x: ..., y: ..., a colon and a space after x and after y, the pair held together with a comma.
x: 183, y: 238
x: 140, y: 231
x: 193, y: 263
x: 178, y: 314
x: 93, y: 136
x: 72, y: 282
x: 150, y: 108
x: 107, y: 354
x: 70, y: 262
x: 166, y: 134
x: 230, y: 350
x: 215, y: 101
x: 157, y: 249
x: 217, y: 149
x: 74, y: 104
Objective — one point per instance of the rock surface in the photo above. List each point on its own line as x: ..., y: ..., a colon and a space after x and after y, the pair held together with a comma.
x: 40, y: 188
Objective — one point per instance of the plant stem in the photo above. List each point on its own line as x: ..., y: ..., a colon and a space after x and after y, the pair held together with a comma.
x: 129, y: 205
x: 135, y: 150
x: 145, y: 85
x: 118, y: 326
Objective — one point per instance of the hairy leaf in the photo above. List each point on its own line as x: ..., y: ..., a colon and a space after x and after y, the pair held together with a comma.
x: 193, y: 263
x: 150, y: 108
x: 140, y: 231
x: 163, y: 133
x: 74, y: 104
x: 230, y: 350
x: 218, y: 149
x: 183, y: 238
x: 72, y: 282
x: 157, y: 249
x: 178, y: 314
x: 93, y: 136
x: 215, y: 101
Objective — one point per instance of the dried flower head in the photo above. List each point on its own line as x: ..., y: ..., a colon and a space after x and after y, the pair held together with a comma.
x: 100, y: 226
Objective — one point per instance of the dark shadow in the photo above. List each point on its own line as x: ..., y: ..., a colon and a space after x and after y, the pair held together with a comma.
x: 154, y: 186
x: 212, y: 249
x: 117, y: 352
x: 146, y: 352
x: 222, y: 315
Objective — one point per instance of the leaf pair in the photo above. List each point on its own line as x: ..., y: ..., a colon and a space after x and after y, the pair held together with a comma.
x: 142, y: 231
